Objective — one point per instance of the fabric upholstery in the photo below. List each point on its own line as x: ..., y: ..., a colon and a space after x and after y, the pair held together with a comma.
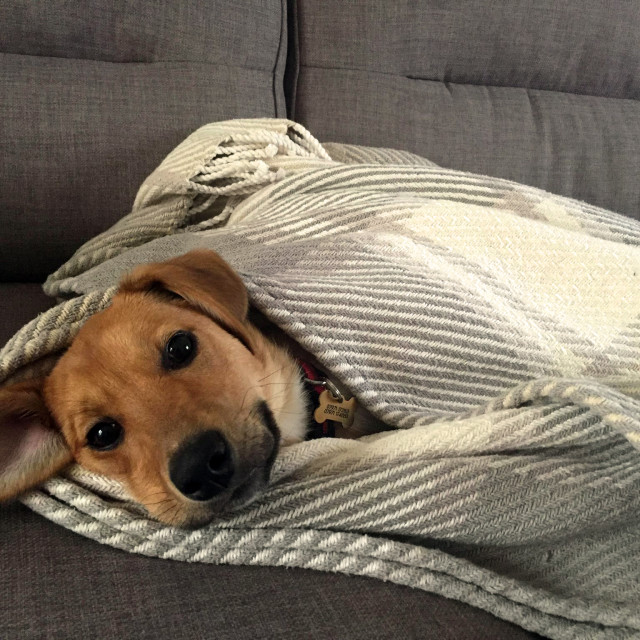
x: 538, y: 92
x: 20, y: 303
x: 95, y: 94
x: 56, y: 584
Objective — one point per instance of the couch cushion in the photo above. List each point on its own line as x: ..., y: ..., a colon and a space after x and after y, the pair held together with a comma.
x: 21, y: 303
x: 57, y: 584
x: 95, y: 94
x: 540, y: 92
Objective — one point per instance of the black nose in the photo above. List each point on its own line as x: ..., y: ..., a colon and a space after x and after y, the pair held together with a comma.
x: 203, y: 466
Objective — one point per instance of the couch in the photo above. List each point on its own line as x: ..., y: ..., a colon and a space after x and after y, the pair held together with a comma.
x: 95, y: 94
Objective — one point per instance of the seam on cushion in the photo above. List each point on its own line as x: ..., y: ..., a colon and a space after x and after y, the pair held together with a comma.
x: 467, y: 84
x: 292, y: 67
x: 279, y: 62
x: 138, y: 62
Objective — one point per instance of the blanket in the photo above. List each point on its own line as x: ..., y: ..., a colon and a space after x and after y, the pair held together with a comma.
x: 496, y: 327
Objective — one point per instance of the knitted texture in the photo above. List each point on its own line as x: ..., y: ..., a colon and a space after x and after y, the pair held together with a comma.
x: 493, y: 324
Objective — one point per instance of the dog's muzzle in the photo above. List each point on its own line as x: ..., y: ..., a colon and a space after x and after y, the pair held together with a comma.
x: 203, y: 467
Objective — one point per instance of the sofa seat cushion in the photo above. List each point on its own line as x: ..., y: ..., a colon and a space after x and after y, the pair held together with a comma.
x: 57, y: 584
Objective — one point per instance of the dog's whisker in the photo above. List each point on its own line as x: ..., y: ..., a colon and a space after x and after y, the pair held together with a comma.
x: 267, y: 384
x: 245, y: 397
x: 155, y: 504
x: 151, y: 496
x: 154, y: 494
x: 279, y: 394
x: 174, y: 517
x: 170, y: 515
x: 168, y: 510
x: 273, y: 373
x: 258, y: 386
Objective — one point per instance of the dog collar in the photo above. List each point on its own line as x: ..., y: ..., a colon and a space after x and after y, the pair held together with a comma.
x: 329, y: 408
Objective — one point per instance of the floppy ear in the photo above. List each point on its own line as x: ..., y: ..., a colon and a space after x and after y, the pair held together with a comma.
x: 205, y: 281
x: 31, y: 449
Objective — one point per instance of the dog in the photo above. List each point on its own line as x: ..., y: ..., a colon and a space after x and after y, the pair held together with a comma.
x: 172, y: 390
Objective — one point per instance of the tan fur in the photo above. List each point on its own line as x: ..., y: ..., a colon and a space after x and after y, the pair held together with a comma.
x: 112, y: 369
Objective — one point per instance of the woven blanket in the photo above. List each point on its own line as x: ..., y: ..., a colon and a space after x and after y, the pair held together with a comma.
x: 495, y: 326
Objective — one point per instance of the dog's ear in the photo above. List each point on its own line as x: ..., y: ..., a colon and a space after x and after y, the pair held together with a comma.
x: 31, y: 448
x: 205, y: 281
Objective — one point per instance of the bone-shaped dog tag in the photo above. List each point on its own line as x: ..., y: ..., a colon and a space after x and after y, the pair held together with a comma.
x: 336, y: 410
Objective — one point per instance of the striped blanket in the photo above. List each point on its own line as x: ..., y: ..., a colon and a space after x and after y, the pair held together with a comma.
x: 494, y: 325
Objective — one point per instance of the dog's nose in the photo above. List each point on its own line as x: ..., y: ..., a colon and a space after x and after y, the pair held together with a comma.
x: 203, y: 466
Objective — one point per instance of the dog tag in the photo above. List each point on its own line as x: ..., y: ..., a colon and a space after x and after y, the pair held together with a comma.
x: 336, y: 410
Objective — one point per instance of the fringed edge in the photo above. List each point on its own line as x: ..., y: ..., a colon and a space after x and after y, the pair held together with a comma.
x: 234, y: 167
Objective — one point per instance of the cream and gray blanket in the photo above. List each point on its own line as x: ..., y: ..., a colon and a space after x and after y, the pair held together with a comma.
x: 495, y: 325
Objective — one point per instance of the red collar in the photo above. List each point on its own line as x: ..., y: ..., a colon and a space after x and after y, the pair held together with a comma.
x: 315, y: 430
x: 311, y: 373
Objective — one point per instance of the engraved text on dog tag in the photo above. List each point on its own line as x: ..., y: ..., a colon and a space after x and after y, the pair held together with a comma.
x: 336, y: 410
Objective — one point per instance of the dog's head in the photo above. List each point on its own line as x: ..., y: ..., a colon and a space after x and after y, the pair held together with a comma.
x: 169, y: 390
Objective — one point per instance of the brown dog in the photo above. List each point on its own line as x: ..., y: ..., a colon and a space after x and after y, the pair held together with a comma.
x: 170, y: 390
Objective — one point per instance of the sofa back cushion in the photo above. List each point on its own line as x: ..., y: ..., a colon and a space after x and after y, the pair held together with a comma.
x: 537, y: 91
x: 95, y: 94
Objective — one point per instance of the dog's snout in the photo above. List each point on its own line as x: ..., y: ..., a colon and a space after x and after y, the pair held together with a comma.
x: 203, y: 466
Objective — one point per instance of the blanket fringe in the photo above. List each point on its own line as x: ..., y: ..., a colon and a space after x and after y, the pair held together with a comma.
x: 218, y: 161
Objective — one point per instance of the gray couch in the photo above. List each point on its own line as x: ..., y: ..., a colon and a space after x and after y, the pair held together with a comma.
x: 94, y: 94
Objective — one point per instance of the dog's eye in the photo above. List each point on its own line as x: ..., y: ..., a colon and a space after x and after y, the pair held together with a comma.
x: 180, y: 350
x: 105, y: 435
